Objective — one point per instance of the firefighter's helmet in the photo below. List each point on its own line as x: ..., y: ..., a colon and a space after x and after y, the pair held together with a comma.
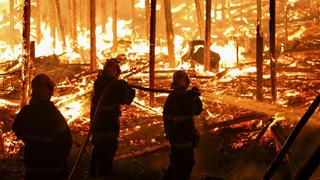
x: 41, y: 82
x: 180, y: 75
x: 111, y: 68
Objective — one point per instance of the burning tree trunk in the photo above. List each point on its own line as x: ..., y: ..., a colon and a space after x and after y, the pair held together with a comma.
x: 26, y: 52
x: 11, y: 4
x: 133, y: 14
x: 52, y: 22
x: 273, y: 59
x: 93, y: 61
x: 81, y: 13
x: 199, y: 10
x: 103, y: 15
x: 259, y: 53
x: 32, y: 60
x: 114, y: 25
x: 152, y: 48
x: 207, y: 57
x: 147, y: 7
x: 74, y: 24
x: 38, y: 21
x: 69, y: 21
x: 60, y: 24
x: 170, y: 33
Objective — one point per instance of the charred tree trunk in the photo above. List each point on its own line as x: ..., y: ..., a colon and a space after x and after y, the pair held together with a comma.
x: 170, y: 32
x: 93, y: 56
x: 53, y: 22
x: 147, y: 8
x: 207, y: 55
x: 60, y: 24
x: 74, y: 25
x: 259, y: 54
x: 103, y: 15
x: 38, y: 21
x: 273, y: 59
x: 114, y: 25
x: 32, y: 60
x: 199, y: 10
x: 152, y: 48
x: 26, y: 52
x: 11, y: 4
x: 259, y: 63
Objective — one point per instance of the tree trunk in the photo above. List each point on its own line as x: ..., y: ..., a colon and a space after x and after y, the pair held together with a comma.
x: 114, y: 25
x: 26, y: 52
x: 103, y: 15
x: 53, y: 22
x: 207, y: 56
x: 170, y: 32
x: 11, y: 4
x: 74, y: 25
x: 152, y: 48
x: 259, y: 54
x: 93, y: 56
x: 273, y: 58
x: 69, y: 21
x: 199, y: 10
x: 60, y: 24
x: 38, y: 21
x: 81, y: 14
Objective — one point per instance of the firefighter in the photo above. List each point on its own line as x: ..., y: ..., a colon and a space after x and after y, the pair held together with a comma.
x: 45, y: 133
x: 105, y: 128
x: 180, y: 107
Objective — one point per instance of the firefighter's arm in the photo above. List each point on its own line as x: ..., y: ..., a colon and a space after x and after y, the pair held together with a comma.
x: 197, y: 105
x: 124, y: 91
x: 19, y: 122
x: 167, y: 111
x: 62, y: 133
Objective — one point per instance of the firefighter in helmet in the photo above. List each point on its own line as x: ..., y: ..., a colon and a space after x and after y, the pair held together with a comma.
x: 180, y: 107
x: 45, y: 133
x: 105, y: 126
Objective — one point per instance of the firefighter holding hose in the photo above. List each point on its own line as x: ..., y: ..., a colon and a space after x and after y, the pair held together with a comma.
x: 180, y: 107
x: 45, y: 133
x: 109, y: 92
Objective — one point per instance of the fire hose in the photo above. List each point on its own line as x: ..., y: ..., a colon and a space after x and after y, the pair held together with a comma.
x: 97, y: 111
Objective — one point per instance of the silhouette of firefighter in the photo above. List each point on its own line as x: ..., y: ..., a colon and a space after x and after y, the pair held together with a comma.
x: 45, y: 132
x: 105, y: 129
x: 180, y: 107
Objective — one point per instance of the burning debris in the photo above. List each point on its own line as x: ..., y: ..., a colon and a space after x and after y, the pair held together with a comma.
x: 233, y: 125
